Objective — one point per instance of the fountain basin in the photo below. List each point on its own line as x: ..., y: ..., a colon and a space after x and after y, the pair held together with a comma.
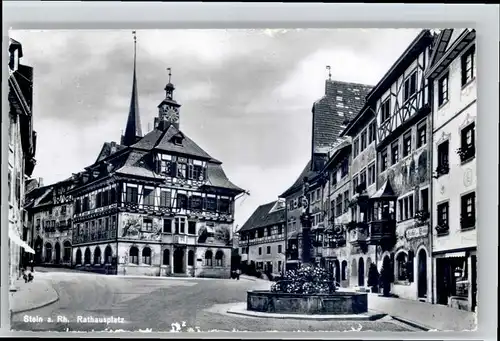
x: 337, y: 303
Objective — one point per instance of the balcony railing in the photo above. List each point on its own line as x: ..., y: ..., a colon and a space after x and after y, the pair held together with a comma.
x: 381, y: 230
x: 180, y: 239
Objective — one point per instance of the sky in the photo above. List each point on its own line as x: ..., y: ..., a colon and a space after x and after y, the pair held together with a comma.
x: 246, y: 95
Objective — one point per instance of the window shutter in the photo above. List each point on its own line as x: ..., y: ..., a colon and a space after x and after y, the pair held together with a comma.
x: 190, y: 171
x: 158, y: 166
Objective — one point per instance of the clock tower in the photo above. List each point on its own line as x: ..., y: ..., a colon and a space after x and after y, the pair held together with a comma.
x: 168, y: 109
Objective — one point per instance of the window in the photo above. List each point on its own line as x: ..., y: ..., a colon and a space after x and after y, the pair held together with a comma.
x: 371, y: 174
x: 149, y: 198
x: 280, y: 230
x: 468, y: 211
x: 407, y: 144
x: 191, y: 227
x: 362, y: 177
x: 268, y: 250
x: 166, y: 257
x: 468, y: 143
x: 198, y: 173
x: 131, y: 196
x: 338, y: 209
x: 424, y: 200
x: 443, y: 89
x: 355, y: 183
x: 401, y: 266
x: 467, y: 62
x: 219, y: 258
x: 394, y: 152
x: 182, y: 201
x: 385, y: 110
x: 180, y: 225
x: 280, y: 248
x: 443, y: 165
x: 63, y: 210
x: 165, y: 199
x: 208, y: 258
x: 406, y: 207
x: 112, y: 196
x: 147, y: 224
x: 372, y: 133
x: 167, y: 226
x: 318, y: 195
x: 346, y: 201
x: 211, y: 203
x: 355, y: 151
x: 196, y: 202
x: 146, y: 256
x: 260, y: 251
x: 224, y: 205
x: 345, y: 168
x: 363, y: 140
x: 134, y: 255
x: 182, y: 169
x: 333, y: 176
x: 98, y: 199
x: 442, y: 218
x: 421, y: 134
x: 410, y: 86
x: 105, y: 198
x: 383, y: 160
x: 332, y: 208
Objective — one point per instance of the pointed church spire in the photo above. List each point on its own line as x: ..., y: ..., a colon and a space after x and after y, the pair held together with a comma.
x: 133, y: 129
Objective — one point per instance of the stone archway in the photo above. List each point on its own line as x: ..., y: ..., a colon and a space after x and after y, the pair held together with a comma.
x: 354, y: 272
x: 178, y: 260
x: 97, y: 256
x: 422, y: 274
x: 57, y: 253
x: 361, y: 272
x: 338, y: 277
x: 48, y: 253
x: 86, y: 260
x: 108, y: 255
x: 78, y: 260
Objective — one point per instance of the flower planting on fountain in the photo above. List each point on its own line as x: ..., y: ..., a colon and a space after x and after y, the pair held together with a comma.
x: 305, y: 280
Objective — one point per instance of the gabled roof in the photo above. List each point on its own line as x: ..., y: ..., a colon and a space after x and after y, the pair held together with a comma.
x: 109, y: 148
x: 297, y: 185
x: 162, y: 141
x: 385, y: 192
x: 263, y: 217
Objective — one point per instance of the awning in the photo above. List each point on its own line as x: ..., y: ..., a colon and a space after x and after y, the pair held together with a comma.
x: 17, y: 240
x: 292, y: 235
x: 453, y: 255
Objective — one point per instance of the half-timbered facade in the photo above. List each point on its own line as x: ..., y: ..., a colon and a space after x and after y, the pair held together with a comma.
x: 262, y: 239
x: 398, y: 218
x: 452, y: 74
x: 154, y: 205
x: 51, y: 211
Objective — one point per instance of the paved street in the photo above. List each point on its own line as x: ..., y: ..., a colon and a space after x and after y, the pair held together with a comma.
x: 158, y: 303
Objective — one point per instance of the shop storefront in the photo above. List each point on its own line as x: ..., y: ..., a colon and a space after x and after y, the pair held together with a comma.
x: 456, y: 279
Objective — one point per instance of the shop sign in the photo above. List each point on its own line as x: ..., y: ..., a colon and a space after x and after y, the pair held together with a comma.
x: 417, y: 232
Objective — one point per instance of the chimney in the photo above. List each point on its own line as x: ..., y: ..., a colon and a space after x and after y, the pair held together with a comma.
x: 40, y: 182
x: 113, y: 147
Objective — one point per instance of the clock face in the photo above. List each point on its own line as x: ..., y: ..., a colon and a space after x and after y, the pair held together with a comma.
x: 170, y: 114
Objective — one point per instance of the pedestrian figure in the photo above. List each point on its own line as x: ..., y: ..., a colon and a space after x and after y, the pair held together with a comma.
x: 27, y: 276
x: 238, y: 272
x: 32, y: 265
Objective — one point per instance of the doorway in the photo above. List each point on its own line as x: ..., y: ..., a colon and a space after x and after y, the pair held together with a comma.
x: 422, y: 274
x: 179, y: 261
x: 38, y: 250
x: 58, y: 253
x: 474, y: 282
x: 361, y: 272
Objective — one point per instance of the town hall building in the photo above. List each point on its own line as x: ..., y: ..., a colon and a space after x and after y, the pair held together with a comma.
x: 155, y: 204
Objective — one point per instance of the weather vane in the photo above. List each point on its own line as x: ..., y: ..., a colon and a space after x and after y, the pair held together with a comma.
x: 169, y: 74
x: 329, y: 72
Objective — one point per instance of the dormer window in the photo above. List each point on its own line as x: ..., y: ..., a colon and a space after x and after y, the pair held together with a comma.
x: 177, y: 140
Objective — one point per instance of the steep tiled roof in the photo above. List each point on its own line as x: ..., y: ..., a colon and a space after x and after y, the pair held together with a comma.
x: 262, y: 217
x: 217, y: 178
x: 137, y: 164
x: 162, y: 140
x: 109, y: 148
x: 342, y: 101
x: 306, y: 172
